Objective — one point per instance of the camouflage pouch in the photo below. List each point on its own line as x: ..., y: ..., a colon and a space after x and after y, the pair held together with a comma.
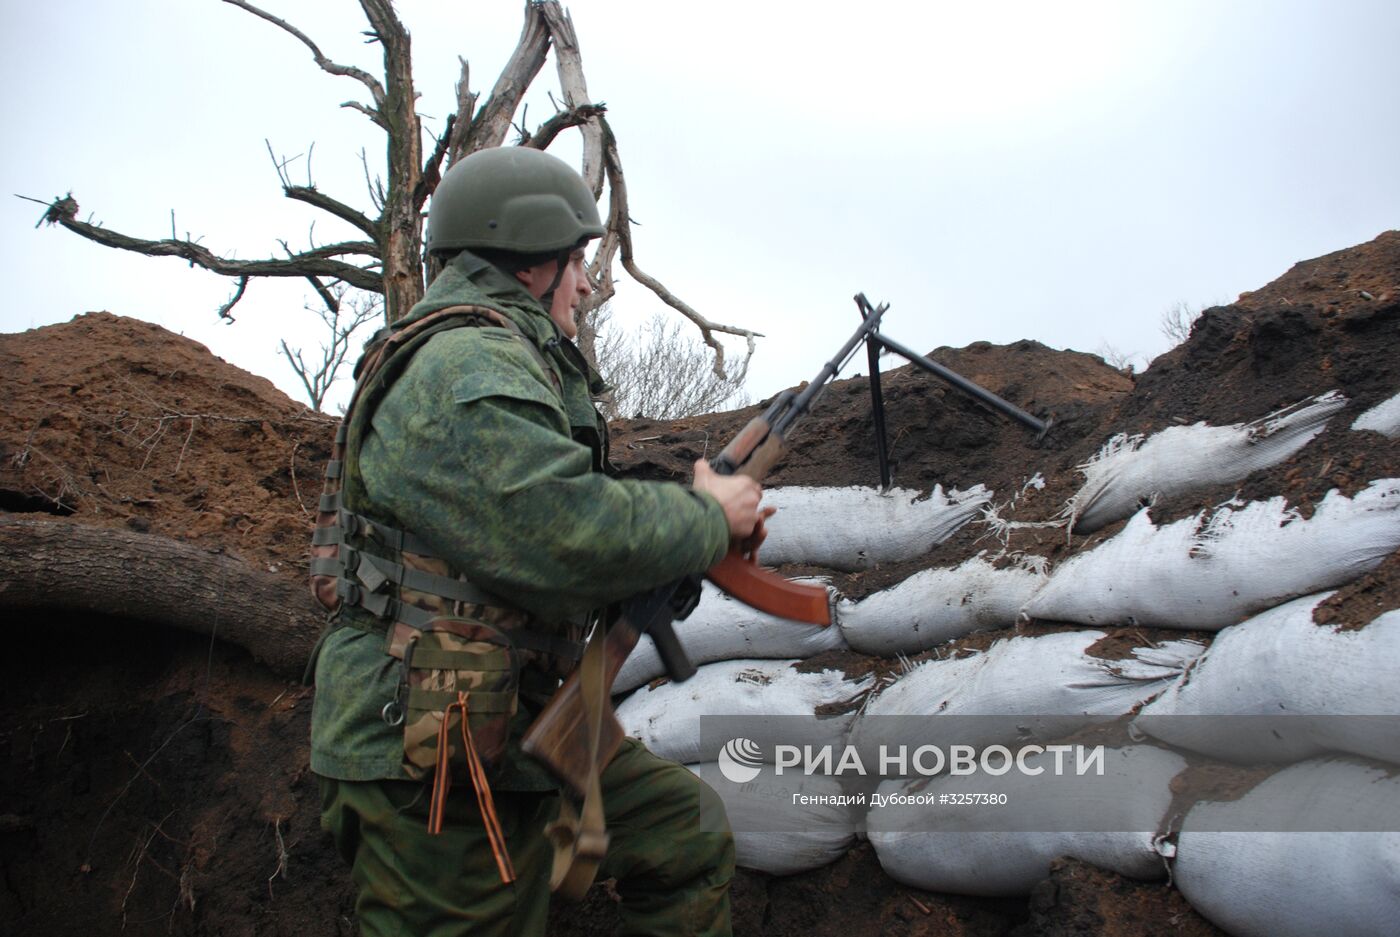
x: 452, y: 665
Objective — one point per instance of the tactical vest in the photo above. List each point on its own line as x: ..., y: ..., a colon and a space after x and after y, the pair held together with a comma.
x: 462, y: 650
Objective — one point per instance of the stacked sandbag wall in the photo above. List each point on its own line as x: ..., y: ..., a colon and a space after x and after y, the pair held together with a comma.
x: 1246, y: 578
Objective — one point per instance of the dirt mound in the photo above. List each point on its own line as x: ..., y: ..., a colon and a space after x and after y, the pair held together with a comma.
x: 155, y: 781
x: 1337, y: 282
x: 936, y: 435
x: 118, y: 422
x: 1240, y: 363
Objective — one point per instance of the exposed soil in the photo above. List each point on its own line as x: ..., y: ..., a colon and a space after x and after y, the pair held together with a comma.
x: 852, y: 896
x: 1360, y: 602
x: 156, y: 781
x: 122, y: 423
x: 1078, y: 900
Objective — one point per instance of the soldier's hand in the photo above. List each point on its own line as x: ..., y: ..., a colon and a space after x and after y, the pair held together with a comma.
x: 738, y: 495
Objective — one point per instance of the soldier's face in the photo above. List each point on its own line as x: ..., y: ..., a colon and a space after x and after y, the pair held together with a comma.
x: 572, y: 289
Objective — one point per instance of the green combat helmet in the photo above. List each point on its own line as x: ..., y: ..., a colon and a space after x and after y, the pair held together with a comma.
x: 511, y: 198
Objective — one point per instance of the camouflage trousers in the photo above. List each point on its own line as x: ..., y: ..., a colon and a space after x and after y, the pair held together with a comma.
x: 670, y: 851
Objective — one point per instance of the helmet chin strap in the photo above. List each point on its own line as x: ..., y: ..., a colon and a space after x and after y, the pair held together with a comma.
x: 560, y: 264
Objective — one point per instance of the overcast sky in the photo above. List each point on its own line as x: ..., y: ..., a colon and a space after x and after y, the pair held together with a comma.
x: 1059, y: 171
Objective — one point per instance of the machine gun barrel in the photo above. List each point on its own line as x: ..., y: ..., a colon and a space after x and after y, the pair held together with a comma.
x: 962, y: 383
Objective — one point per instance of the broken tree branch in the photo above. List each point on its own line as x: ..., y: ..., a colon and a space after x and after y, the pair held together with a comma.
x: 432, y: 171
x: 342, y: 249
x: 227, y: 308
x: 368, y: 111
x: 546, y: 132
x: 569, y: 63
x: 363, y: 77
x: 619, y: 221
x: 313, y: 196
x: 492, y: 122
x: 310, y: 263
x: 395, y: 264
x: 466, y: 106
x: 330, y: 299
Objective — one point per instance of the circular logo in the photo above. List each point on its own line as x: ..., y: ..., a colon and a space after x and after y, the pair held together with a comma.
x: 740, y: 760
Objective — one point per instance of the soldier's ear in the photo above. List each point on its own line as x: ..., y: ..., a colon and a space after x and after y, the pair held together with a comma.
x: 528, y: 279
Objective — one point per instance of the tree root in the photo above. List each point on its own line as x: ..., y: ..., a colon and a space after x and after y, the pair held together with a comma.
x: 54, y: 565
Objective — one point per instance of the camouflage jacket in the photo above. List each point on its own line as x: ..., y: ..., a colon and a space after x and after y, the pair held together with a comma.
x: 475, y: 451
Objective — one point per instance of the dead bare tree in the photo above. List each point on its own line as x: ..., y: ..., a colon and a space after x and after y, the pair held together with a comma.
x: 389, y: 260
x: 659, y: 372
x: 318, y: 376
x: 1115, y: 357
x: 1176, y: 322
x: 278, y: 620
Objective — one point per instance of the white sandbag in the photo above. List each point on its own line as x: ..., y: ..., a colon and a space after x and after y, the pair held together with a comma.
x: 1048, y: 682
x: 1383, y: 418
x: 855, y: 528
x: 778, y: 833
x: 1207, y: 572
x: 1281, y: 664
x: 723, y: 628
x: 1006, y: 849
x: 1264, y: 883
x: 1131, y: 471
x: 667, y: 718
x: 937, y: 605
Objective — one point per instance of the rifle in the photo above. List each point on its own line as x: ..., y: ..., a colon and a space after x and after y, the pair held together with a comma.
x: 577, y: 733
x: 560, y: 736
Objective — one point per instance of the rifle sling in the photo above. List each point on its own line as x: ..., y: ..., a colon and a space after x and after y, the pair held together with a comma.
x: 580, y: 839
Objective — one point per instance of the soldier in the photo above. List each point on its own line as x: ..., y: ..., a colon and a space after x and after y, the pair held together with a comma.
x: 477, y: 531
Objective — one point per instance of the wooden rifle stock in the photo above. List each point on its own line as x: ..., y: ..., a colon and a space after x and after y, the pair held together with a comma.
x: 558, y: 738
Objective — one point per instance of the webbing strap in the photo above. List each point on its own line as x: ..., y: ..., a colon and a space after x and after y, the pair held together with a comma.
x: 388, y: 608
x: 326, y: 566
x: 361, y: 575
x: 545, y: 643
x: 436, y: 658
x: 580, y: 839
x: 381, y: 570
x: 400, y: 541
x: 436, y: 700
x: 348, y: 522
